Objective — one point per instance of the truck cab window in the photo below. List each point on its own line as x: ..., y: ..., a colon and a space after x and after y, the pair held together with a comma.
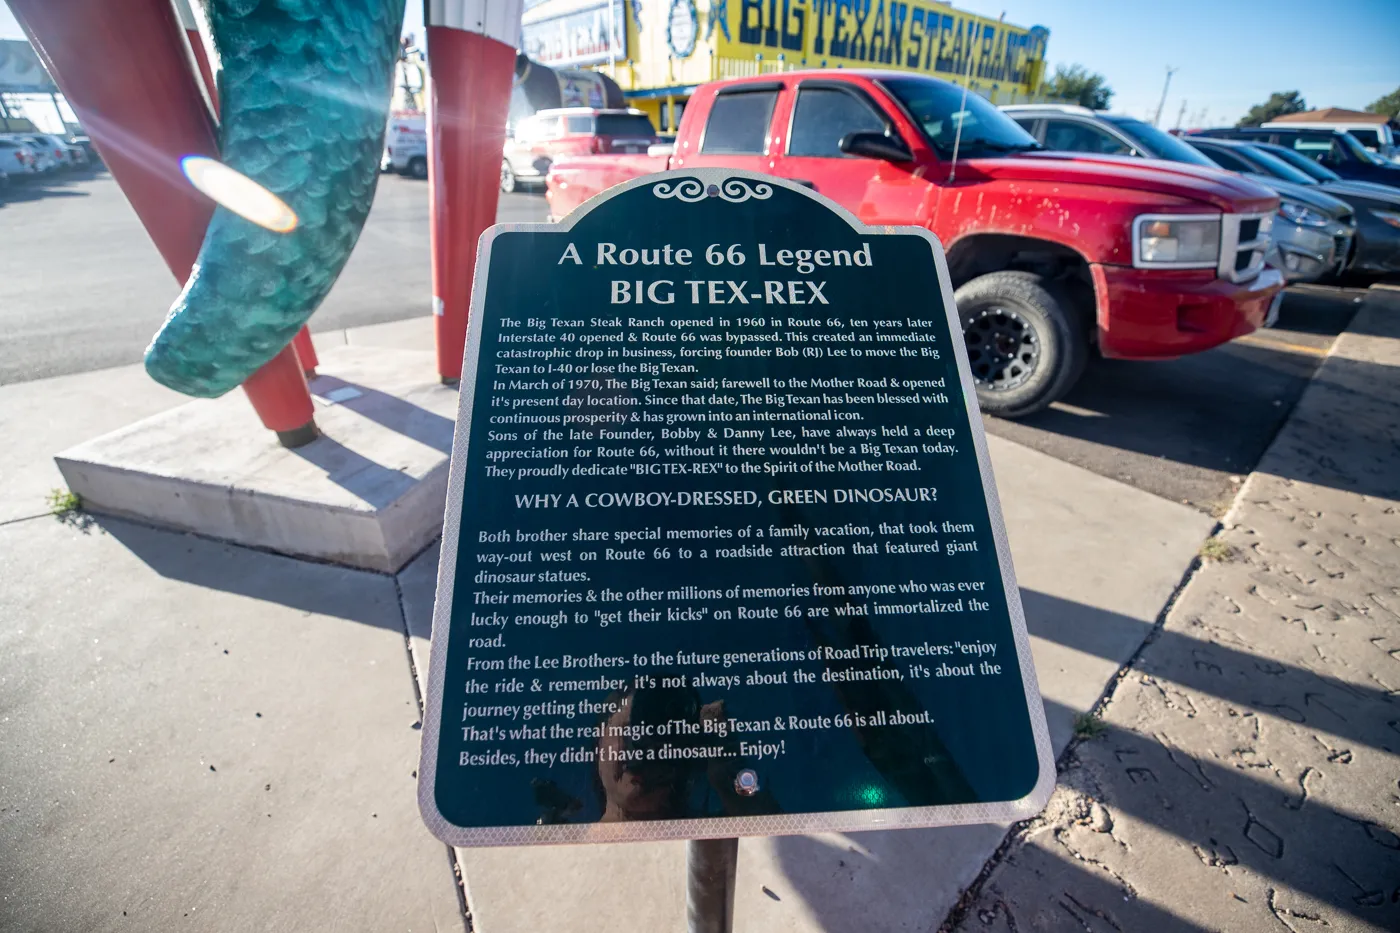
x: 824, y: 115
x: 1074, y: 136
x: 738, y: 123
x: 1321, y: 148
x: 1226, y: 160
x: 580, y: 125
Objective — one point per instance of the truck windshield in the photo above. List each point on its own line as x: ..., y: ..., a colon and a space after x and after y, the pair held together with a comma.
x: 937, y: 107
x: 1278, y: 168
x: 1299, y: 161
x: 1159, y: 144
x: 1359, y: 152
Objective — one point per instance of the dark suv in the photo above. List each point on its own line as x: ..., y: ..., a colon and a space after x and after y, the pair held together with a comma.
x: 1338, y: 150
x: 1377, y: 207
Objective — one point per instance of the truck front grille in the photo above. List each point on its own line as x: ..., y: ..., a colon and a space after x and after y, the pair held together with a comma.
x: 1244, y: 239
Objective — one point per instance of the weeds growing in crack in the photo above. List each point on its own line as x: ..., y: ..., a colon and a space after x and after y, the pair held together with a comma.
x: 1217, y: 550
x: 67, y: 507
x: 1089, y: 726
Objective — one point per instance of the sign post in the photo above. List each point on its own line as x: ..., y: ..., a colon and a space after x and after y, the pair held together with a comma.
x: 723, y: 554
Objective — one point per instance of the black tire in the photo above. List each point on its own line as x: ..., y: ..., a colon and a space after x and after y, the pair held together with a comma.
x: 508, y: 180
x: 1026, y: 345
x: 418, y: 167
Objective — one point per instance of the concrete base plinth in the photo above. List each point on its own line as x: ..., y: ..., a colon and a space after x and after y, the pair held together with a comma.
x: 368, y: 492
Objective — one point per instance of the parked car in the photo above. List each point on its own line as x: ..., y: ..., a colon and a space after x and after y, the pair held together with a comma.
x: 1376, y: 207
x: 1050, y: 253
x: 1335, y: 149
x: 1312, y: 235
x: 75, y: 154
x: 65, y: 155
x: 406, y: 145
x: 553, y: 134
x: 1322, y: 173
x: 89, y: 151
x: 45, y: 161
x: 1372, y: 130
x: 17, y: 158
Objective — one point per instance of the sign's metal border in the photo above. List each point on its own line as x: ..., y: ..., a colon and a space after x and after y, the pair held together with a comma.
x: 717, y: 827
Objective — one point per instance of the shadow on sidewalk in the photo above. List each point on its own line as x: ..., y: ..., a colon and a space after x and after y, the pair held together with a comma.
x: 1221, y: 812
x: 823, y: 875
x: 1240, y: 810
x: 1209, y: 668
x: 389, y: 411
x: 299, y: 584
x: 367, y: 480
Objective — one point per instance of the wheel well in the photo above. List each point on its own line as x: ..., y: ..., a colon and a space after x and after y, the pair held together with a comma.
x: 1064, y: 268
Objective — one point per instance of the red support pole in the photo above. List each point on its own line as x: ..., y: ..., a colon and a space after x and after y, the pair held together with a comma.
x: 200, y: 53
x: 125, y: 69
x: 306, y: 352
x: 471, y: 62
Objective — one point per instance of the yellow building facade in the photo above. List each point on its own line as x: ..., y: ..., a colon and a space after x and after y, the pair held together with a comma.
x: 659, y: 51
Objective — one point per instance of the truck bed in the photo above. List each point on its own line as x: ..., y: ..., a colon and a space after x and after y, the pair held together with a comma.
x: 574, y: 180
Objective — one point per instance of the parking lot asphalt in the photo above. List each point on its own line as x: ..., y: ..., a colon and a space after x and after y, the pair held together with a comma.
x: 82, y: 288
x: 1191, y: 429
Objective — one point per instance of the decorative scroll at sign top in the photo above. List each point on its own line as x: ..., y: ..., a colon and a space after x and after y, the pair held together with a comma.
x: 722, y: 552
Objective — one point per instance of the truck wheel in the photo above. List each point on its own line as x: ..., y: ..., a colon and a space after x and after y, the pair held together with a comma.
x: 1026, y: 347
x: 507, y: 177
x: 418, y: 167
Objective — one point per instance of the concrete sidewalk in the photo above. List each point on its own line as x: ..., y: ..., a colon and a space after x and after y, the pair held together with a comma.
x: 1246, y: 779
x: 195, y: 735
x: 138, y: 774
x: 1096, y: 560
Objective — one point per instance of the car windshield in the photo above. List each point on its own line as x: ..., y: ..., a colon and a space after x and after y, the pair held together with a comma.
x: 1158, y: 143
x: 1272, y: 165
x: 625, y: 124
x: 1299, y: 161
x: 1358, y: 151
x: 938, y: 108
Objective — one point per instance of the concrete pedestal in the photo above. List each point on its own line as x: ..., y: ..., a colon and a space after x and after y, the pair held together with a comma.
x: 368, y: 493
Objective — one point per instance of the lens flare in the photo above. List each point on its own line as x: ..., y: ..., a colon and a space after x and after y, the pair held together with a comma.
x: 237, y: 192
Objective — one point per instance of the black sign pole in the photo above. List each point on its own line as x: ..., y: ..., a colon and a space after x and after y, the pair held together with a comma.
x: 710, y: 867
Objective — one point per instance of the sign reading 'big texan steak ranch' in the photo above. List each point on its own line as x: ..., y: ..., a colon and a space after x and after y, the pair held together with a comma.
x: 722, y: 553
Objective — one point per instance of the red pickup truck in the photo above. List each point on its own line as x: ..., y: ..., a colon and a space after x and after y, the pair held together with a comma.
x: 1051, y: 253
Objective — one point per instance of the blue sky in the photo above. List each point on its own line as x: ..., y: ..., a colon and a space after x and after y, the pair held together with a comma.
x: 1230, y: 54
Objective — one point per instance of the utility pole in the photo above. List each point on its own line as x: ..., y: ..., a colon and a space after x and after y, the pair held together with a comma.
x: 1163, y: 102
x: 1180, y: 113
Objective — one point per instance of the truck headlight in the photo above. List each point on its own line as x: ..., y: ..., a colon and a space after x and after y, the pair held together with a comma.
x: 1389, y: 217
x: 1161, y: 240
x: 1300, y: 215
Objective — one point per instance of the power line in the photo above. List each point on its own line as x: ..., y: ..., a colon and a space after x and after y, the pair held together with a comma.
x: 1163, y: 102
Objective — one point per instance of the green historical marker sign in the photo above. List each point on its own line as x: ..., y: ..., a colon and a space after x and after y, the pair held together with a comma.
x: 723, y: 554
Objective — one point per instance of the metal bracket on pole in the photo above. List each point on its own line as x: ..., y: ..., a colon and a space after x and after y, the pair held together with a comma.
x: 710, y: 866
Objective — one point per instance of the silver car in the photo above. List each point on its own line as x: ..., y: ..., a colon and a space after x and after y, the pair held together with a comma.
x: 1312, y: 232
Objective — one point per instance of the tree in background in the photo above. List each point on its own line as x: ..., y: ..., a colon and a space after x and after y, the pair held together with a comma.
x: 1388, y: 105
x: 1079, y: 85
x: 1278, y: 104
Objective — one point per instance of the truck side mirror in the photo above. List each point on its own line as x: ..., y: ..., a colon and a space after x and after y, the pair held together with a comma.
x: 875, y: 146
